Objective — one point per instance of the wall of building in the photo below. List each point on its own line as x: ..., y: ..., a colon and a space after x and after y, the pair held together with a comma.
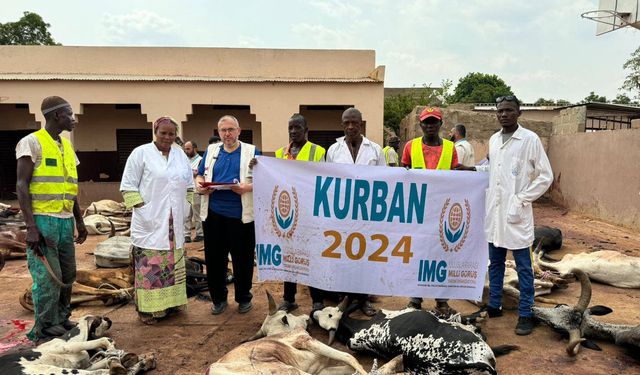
x: 17, y: 117
x: 570, y: 120
x: 597, y: 174
x: 96, y: 129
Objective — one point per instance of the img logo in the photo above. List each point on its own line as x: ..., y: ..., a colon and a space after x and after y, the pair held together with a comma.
x: 454, y: 225
x: 432, y: 271
x: 284, y: 212
x: 269, y: 254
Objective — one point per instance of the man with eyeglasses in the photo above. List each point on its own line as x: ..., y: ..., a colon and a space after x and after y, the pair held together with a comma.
x: 227, y: 215
x: 519, y: 173
x: 430, y: 152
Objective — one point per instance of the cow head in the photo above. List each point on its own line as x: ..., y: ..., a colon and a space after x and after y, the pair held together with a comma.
x: 278, y: 321
x: 329, y: 318
x: 89, y: 328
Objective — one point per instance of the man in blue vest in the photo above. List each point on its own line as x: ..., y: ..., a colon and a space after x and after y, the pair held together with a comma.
x: 47, y: 187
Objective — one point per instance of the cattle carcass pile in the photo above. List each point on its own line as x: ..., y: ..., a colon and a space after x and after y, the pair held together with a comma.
x: 12, y: 234
x: 70, y: 354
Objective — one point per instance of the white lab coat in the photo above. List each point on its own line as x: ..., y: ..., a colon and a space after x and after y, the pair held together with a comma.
x: 163, y: 185
x: 519, y: 173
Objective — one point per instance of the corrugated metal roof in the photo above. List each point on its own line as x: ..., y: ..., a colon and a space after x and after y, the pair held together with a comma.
x: 135, y: 78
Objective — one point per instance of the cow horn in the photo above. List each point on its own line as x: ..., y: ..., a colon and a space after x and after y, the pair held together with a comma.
x: 343, y: 305
x: 574, y: 342
x: 585, y: 290
x: 332, y: 336
x: 112, y: 233
x: 272, y: 304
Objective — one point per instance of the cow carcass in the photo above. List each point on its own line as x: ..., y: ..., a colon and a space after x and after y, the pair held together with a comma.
x: 283, y: 346
x: 13, y: 244
x: 544, y: 283
x: 69, y: 354
x: 605, y: 266
x: 577, y: 321
x: 100, y: 224
x: 107, y: 207
x: 114, y: 252
x: 427, y: 343
x: 111, y: 286
x: 549, y: 238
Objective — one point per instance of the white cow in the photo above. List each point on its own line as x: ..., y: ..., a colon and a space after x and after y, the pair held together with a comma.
x: 605, y: 266
x: 289, y: 349
x: 68, y: 354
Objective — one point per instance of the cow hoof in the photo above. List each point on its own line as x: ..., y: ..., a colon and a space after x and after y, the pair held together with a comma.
x: 116, y: 368
x: 129, y: 360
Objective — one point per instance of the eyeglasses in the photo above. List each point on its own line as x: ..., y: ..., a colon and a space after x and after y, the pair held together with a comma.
x: 509, y: 98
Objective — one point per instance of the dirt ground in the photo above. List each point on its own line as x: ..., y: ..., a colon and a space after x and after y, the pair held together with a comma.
x: 189, y: 342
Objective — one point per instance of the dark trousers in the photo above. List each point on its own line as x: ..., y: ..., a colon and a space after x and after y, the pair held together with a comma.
x: 223, y: 235
x: 317, y: 295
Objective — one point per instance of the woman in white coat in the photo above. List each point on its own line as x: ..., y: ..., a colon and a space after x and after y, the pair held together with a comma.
x: 157, y: 182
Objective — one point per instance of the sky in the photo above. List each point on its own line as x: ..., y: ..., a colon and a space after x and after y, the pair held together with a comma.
x: 540, y: 48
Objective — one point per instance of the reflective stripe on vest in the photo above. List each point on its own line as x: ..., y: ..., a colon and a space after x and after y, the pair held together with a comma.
x: 54, y: 183
x: 417, y: 156
x: 308, y: 152
x: 386, y: 153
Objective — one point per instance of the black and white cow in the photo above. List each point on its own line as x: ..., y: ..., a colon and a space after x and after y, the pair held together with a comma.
x: 428, y: 344
x: 69, y: 354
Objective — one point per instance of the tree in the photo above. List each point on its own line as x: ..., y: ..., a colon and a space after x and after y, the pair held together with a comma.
x: 544, y: 102
x: 632, y: 82
x: 397, y: 106
x: 594, y: 98
x: 479, y: 88
x: 621, y: 99
x: 29, y: 30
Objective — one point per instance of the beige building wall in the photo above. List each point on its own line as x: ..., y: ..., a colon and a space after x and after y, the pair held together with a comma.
x: 204, y: 120
x: 596, y: 173
x: 570, y: 121
x: 14, y: 118
x: 96, y: 129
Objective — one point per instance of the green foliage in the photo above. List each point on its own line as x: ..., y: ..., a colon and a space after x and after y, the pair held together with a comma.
x: 551, y: 102
x: 396, y: 107
x: 479, y: 88
x: 29, y: 30
x: 632, y: 82
x: 594, y: 98
x: 623, y: 99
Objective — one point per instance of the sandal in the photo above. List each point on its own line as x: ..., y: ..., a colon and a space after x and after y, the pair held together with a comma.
x: 147, y: 319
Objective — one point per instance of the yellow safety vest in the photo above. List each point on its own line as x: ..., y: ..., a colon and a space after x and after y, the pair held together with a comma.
x: 386, y: 153
x: 309, y: 152
x: 417, y: 157
x: 54, y: 183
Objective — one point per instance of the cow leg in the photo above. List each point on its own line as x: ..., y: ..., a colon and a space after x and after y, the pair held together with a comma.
x: 54, y: 370
x: 319, y: 348
x: 76, y: 347
x: 146, y: 363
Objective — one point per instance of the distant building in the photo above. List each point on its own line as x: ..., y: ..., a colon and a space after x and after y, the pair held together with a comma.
x: 117, y: 92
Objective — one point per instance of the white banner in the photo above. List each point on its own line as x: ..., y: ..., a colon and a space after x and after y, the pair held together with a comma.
x: 367, y: 229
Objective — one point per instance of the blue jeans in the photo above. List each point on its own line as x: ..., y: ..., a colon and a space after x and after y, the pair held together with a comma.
x: 497, y: 256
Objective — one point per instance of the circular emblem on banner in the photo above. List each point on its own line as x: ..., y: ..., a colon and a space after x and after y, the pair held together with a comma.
x: 454, y: 227
x: 284, y: 203
x: 284, y: 211
x: 455, y: 216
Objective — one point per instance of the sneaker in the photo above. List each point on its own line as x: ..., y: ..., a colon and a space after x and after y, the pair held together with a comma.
x: 317, y: 306
x: 287, y: 306
x: 524, y: 326
x: 219, y: 308
x: 187, y: 239
x: 198, y: 239
x: 492, y: 311
x: 54, y: 331
x: 245, y: 307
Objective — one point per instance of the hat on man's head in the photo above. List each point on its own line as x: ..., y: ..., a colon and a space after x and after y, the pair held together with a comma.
x: 52, y: 103
x: 431, y: 112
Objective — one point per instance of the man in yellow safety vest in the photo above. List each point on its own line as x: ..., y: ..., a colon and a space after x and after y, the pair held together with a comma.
x: 391, y: 151
x: 300, y: 148
x: 430, y: 152
x: 47, y: 187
